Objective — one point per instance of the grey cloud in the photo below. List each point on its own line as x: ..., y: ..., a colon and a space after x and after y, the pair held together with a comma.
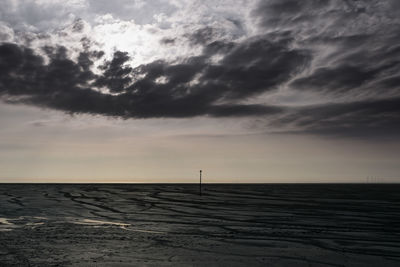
x: 49, y: 15
x: 281, y: 13
x: 331, y: 48
x: 362, y: 63
x: 141, y: 11
x: 37, y: 15
x: 361, y: 38
x: 202, y: 36
x: 116, y: 73
x: 168, y: 41
x: 338, y: 79
x: 356, y: 57
x: 372, y: 118
x: 71, y: 86
x: 6, y: 33
x: 256, y: 66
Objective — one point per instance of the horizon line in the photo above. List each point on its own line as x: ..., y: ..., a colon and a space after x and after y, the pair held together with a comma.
x: 215, y: 183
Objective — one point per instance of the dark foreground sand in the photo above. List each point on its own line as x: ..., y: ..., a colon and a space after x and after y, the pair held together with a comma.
x: 230, y: 225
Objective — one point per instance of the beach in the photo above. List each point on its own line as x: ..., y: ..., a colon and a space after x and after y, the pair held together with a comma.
x: 172, y: 225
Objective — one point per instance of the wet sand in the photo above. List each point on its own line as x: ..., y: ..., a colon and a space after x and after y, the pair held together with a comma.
x: 171, y: 225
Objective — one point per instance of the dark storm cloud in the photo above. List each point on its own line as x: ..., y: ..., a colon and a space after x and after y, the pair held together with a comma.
x: 368, y: 118
x: 244, y: 110
x: 362, y: 38
x: 194, y: 87
x: 256, y: 66
x: 363, y: 68
x: 356, y: 56
x: 116, y: 73
x: 287, y: 12
x: 340, y: 78
x: 332, y: 49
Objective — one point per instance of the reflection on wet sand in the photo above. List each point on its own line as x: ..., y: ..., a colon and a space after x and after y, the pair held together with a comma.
x: 98, y: 222
x: 236, y: 225
x: 5, y: 225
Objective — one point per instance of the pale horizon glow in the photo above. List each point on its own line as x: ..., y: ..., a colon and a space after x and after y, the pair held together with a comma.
x: 153, y: 91
x: 61, y: 148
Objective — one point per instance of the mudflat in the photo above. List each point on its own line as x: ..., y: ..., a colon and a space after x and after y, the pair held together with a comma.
x: 172, y: 225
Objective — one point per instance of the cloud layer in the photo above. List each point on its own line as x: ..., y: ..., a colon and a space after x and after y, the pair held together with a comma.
x: 345, y: 54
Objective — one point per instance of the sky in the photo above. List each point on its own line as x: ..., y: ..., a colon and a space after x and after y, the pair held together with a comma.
x: 153, y: 91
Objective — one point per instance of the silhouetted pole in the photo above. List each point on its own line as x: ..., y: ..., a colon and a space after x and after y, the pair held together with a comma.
x: 200, y: 182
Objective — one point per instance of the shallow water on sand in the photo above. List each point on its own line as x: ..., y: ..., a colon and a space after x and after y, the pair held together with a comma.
x: 229, y: 225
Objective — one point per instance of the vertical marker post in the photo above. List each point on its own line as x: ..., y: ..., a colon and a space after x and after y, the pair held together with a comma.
x: 200, y: 182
